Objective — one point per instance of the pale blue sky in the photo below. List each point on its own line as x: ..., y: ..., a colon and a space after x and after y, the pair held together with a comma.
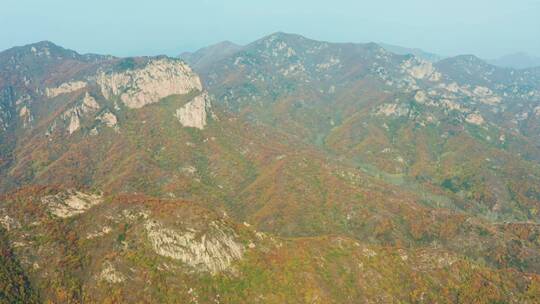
x: 487, y: 28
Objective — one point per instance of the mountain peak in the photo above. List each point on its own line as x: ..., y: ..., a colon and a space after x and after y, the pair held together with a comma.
x: 204, y: 56
x: 43, y: 43
x: 282, y: 36
x: 465, y: 60
x: 226, y: 43
x: 469, y: 58
x: 46, y: 44
x: 43, y: 49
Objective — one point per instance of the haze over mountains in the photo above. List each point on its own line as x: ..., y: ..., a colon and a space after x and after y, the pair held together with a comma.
x: 288, y: 170
x: 517, y: 60
x: 520, y: 60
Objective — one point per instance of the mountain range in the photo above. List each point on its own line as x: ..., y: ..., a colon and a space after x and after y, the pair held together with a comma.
x: 288, y: 170
x: 519, y: 60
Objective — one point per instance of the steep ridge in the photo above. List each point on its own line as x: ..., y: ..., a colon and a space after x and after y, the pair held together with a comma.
x: 85, y: 103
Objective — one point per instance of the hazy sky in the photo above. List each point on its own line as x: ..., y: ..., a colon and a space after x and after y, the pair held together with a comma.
x: 487, y: 28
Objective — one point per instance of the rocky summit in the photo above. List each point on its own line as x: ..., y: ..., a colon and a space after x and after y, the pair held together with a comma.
x: 287, y: 170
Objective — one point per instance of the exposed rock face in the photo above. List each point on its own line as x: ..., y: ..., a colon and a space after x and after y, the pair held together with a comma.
x: 64, y: 88
x: 420, y: 96
x: 104, y: 231
x: 420, y: 69
x: 25, y: 116
x: 158, y: 79
x: 475, y: 118
x: 193, y: 114
x: 332, y: 61
x: 4, y: 118
x: 109, y: 119
x: 392, y: 109
x: 89, y: 103
x: 9, y: 223
x: 110, y: 275
x: 71, y: 203
x: 212, y: 250
x: 486, y: 96
x: 74, y: 122
x: 452, y: 105
x: 74, y: 114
